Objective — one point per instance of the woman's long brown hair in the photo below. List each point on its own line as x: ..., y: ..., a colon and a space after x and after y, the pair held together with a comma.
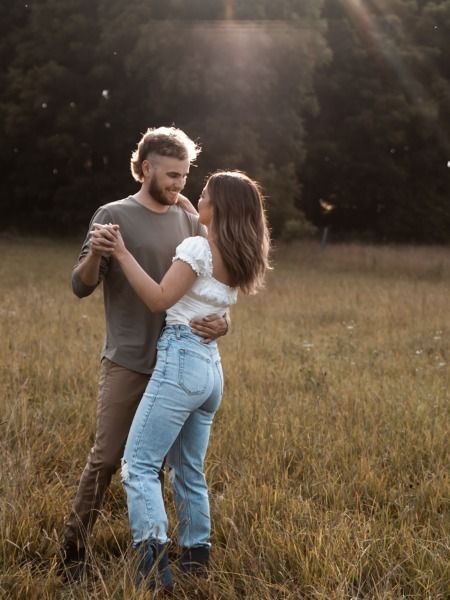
x: 239, y: 228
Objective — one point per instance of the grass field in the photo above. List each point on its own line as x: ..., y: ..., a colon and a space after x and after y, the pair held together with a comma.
x: 328, y: 463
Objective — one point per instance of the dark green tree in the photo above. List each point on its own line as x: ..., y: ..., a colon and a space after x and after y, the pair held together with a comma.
x: 50, y: 96
x: 90, y: 76
x: 378, y: 152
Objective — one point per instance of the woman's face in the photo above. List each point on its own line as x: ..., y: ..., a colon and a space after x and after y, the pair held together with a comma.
x: 205, y: 209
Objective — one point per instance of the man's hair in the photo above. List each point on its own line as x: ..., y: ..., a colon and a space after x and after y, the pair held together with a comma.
x: 163, y: 141
x: 240, y: 229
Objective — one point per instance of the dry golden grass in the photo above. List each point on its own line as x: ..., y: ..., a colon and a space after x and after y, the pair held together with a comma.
x: 328, y: 463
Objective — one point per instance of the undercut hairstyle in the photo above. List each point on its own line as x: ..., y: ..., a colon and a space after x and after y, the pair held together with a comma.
x: 163, y: 141
x: 239, y: 228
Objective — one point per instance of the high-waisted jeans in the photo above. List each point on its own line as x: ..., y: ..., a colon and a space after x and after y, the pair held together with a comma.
x: 173, y: 419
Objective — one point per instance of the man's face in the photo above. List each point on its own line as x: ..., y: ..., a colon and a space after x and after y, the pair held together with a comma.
x: 167, y: 179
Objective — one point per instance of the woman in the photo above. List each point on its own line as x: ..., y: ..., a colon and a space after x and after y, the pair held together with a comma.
x: 176, y: 412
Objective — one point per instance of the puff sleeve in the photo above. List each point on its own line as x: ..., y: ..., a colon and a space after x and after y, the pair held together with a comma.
x: 195, y: 251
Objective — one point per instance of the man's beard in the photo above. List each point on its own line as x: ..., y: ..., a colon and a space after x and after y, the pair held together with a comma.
x: 157, y: 193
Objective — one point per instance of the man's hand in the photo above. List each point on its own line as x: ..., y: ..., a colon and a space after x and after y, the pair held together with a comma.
x: 103, y: 239
x: 210, y: 327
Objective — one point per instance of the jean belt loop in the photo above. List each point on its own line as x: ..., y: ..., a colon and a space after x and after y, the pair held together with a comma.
x: 177, y: 332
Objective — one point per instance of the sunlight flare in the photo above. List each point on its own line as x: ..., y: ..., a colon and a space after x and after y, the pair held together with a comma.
x: 386, y: 47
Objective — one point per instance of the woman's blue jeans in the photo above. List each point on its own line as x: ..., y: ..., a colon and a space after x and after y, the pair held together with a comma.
x: 173, y: 419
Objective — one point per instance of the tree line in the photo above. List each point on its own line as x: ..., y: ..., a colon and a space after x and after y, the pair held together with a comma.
x: 339, y: 108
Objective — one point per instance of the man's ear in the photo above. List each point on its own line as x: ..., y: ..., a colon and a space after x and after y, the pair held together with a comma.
x: 147, y: 168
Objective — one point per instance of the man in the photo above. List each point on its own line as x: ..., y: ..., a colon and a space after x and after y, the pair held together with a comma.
x: 152, y: 223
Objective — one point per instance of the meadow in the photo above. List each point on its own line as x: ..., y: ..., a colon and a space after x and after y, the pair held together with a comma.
x: 328, y: 462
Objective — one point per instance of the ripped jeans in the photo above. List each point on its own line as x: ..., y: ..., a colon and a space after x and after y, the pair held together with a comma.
x: 173, y: 419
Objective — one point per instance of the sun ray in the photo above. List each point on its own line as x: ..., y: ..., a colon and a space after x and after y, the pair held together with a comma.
x: 389, y: 50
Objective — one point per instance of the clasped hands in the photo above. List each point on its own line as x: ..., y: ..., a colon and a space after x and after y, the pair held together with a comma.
x: 106, y: 239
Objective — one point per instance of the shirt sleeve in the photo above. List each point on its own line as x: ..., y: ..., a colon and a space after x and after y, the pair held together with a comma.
x: 79, y: 288
x: 196, y: 253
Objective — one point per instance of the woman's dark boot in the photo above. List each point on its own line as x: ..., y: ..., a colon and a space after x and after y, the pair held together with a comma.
x: 153, y: 564
x: 195, y: 560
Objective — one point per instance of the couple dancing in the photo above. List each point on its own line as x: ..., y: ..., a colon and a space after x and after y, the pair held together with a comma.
x: 169, y: 276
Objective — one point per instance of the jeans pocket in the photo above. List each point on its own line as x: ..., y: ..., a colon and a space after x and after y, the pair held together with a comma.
x: 193, y: 371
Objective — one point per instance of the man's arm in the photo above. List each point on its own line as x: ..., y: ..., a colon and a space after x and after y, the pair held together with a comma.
x: 93, y: 261
x: 87, y: 274
x: 211, y: 327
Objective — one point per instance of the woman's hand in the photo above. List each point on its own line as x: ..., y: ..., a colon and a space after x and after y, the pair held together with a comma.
x: 102, y: 239
x: 120, y: 250
x: 186, y: 204
x: 107, y: 238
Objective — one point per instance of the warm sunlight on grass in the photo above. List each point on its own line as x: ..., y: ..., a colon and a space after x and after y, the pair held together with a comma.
x: 328, y: 460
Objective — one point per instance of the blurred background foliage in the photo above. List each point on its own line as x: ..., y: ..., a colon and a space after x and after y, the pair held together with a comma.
x: 340, y: 108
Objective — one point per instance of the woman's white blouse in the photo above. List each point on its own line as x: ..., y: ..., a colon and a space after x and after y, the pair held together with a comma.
x: 207, y: 295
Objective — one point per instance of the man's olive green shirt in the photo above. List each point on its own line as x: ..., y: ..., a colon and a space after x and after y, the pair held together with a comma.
x: 131, y: 329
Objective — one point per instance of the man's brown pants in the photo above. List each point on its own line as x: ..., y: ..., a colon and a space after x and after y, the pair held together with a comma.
x: 120, y: 391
